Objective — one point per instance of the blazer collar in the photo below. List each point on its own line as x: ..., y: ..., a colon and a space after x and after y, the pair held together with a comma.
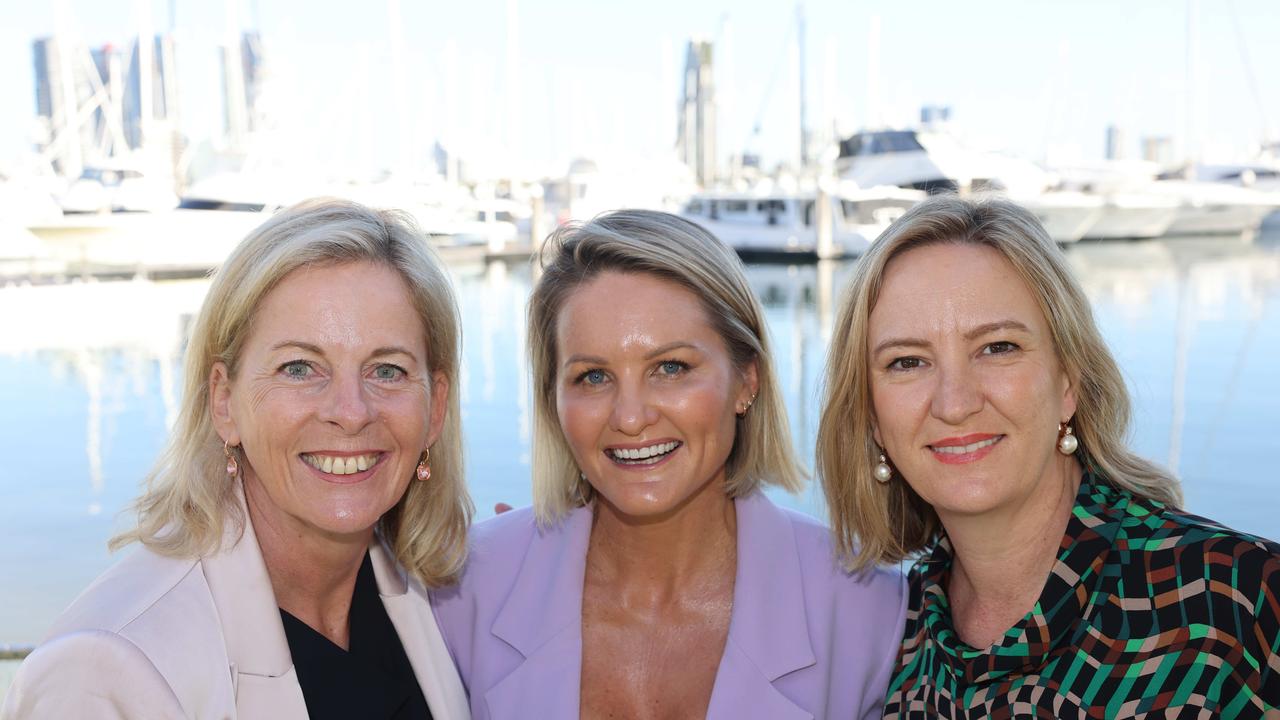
x: 769, y: 623
x: 549, y: 586
x: 542, y: 620
x: 241, y: 589
x: 768, y: 631
x: 410, y: 613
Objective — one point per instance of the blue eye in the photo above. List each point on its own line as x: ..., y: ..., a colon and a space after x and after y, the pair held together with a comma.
x: 672, y: 367
x: 592, y: 377
x: 296, y: 369
x: 388, y: 372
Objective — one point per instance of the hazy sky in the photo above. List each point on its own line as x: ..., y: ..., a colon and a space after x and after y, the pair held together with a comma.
x: 601, y: 79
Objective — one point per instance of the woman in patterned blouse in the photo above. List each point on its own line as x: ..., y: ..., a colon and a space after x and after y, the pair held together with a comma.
x: 975, y: 418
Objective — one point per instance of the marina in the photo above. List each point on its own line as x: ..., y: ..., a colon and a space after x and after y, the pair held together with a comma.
x: 158, y: 140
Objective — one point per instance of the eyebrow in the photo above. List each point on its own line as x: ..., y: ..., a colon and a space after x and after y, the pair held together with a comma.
x: 976, y: 332
x: 315, y: 349
x: 663, y: 350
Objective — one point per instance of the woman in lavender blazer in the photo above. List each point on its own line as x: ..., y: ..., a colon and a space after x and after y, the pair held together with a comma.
x: 653, y: 578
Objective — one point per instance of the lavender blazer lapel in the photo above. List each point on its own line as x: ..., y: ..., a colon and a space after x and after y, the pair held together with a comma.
x: 542, y: 620
x: 769, y: 629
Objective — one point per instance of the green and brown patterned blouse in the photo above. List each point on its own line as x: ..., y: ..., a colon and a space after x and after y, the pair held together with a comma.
x: 1148, y: 612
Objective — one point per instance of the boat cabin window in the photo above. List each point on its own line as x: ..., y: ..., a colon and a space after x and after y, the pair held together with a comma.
x: 880, y: 143
x: 736, y: 206
x: 694, y: 207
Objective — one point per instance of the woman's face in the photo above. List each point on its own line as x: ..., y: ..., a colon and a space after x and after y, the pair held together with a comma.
x: 332, y: 402
x: 966, y: 385
x: 646, y: 392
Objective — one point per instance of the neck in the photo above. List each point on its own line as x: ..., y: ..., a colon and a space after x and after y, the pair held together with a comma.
x: 656, y: 560
x: 313, y: 573
x: 1001, y: 560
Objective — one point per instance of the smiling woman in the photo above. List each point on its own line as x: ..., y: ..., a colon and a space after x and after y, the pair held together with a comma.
x: 974, y: 417
x: 310, y: 491
x: 653, y: 578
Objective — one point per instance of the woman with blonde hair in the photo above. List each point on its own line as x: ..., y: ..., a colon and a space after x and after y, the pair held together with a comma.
x: 310, y: 491
x: 652, y: 578
x: 974, y: 417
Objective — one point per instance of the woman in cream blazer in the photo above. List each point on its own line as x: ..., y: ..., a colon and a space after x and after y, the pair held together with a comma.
x: 314, y: 470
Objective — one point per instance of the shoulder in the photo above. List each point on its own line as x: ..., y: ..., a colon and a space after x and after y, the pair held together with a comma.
x: 130, y: 590
x: 90, y: 673
x: 1234, y: 559
x: 820, y: 563
x: 150, y: 619
x: 498, y: 550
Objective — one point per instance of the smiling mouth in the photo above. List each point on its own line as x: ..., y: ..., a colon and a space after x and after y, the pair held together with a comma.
x: 345, y: 465
x: 648, y: 455
x: 966, y: 449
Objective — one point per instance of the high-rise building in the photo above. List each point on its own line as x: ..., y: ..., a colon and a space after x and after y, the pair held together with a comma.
x: 241, y: 87
x: 162, y: 86
x: 696, y: 135
x: 1158, y: 149
x: 1115, y: 143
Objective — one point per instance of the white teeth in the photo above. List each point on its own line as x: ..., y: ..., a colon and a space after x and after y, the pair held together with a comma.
x: 341, y: 465
x: 645, y: 455
x: 971, y: 447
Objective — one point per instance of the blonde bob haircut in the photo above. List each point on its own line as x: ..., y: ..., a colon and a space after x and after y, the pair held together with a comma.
x: 673, y: 249
x: 188, y: 501
x: 888, y: 523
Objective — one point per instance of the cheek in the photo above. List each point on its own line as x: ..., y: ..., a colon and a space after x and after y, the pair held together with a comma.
x: 898, y: 407
x: 581, y: 420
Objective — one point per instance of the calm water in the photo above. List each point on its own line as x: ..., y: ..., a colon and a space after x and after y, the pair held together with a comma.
x: 89, y: 377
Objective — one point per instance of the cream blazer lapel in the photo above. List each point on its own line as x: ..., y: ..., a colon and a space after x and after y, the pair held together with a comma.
x: 410, y: 612
x: 261, y: 668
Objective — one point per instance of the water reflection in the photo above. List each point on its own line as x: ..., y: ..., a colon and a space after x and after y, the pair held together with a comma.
x: 90, y: 374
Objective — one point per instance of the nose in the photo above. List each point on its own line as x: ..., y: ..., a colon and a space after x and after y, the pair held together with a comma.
x: 633, y: 410
x: 347, y: 403
x: 958, y: 393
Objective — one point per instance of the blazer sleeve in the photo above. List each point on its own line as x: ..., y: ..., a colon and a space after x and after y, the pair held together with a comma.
x: 874, y: 707
x: 89, y: 674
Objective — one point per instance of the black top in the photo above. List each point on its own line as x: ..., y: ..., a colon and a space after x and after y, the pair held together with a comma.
x: 371, y: 680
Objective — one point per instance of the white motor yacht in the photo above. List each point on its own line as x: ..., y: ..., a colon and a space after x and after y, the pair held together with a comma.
x: 783, y: 224
x: 938, y: 162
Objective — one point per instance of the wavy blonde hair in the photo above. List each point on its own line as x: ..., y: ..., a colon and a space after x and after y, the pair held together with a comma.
x: 673, y: 249
x: 888, y: 523
x: 188, y: 500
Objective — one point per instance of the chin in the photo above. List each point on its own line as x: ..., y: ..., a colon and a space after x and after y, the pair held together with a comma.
x: 640, y: 500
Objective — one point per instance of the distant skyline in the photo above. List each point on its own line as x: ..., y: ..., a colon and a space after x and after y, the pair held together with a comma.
x: 598, y: 80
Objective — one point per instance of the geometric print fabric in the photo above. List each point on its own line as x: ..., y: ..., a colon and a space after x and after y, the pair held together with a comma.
x: 1148, y: 613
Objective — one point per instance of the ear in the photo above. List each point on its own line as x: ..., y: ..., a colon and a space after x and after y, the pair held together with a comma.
x: 220, y: 404
x: 750, y: 384
x: 875, y: 430
x: 439, y: 406
x: 1068, y: 396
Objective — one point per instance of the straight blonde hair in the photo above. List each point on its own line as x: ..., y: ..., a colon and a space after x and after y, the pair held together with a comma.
x: 673, y: 249
x: 878, y: 523
x: 188, y: 500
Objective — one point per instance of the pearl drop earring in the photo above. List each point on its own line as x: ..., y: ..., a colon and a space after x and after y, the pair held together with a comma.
x: 882, y: 471
x: 1067, y: 442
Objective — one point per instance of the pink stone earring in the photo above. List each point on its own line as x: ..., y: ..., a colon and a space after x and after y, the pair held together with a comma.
x: 424, y: 469
x: 233, y: 467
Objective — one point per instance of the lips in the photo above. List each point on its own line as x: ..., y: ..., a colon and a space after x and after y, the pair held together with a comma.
x: 341, y: 464
x: 965, y: 449
x: 650, y: 454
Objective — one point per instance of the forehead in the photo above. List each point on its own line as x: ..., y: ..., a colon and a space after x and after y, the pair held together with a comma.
x: 617, y: 312
x: 950, y: 287
x: 349, y: 303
